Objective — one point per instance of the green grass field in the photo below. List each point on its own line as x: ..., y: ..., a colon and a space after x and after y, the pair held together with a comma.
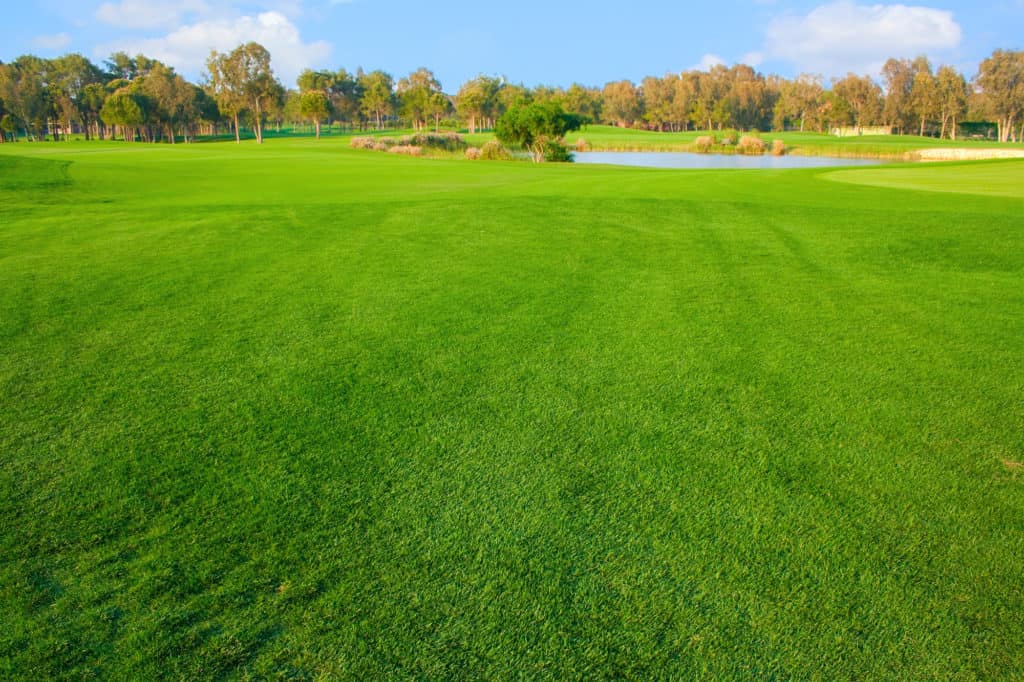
x: 297, y: 411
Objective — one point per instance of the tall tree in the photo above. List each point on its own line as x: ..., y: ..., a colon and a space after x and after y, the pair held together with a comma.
x: 471, y: 101
x: 863, y: 97
x: 952, y: 97
x: 315, y: 89
x: 172, y: 98
x: 749, y: 98
x: 345, y: 96
x: 417, y: 93
x: 90, y: 103
x: 314, y: 106
x: 477, y: 101
x: 584, y: 102
x: 262, y: 90
x: 1001, y: 78
x: 23, y: 89
x: 69, y: 76
x: 243, y: 81
x: 924, y: 98
x: 799, y: 100
x: 378, y: 98
x: 657, y: 96
x: 898, y: 78
x: 621, y: 103
x: 226, y: 87
x: 684, y: 92
x: 124, y: 109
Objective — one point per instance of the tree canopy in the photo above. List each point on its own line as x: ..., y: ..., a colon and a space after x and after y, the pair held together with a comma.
x: 42, y: 98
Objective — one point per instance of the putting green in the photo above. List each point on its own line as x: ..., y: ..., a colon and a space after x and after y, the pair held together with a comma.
x: 989, y: 178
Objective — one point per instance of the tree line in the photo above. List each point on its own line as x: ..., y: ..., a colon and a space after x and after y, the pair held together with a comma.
x: 139, y: 98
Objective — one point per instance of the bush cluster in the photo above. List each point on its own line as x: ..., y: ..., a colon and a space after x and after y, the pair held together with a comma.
x: 778, y: 147
x: 473, y: 153
x: 582, y: 145
x: 449, y: 142
x: 407, y: 149
x: 362, y: 143
x: 752, y: 145
x: 493, y: 151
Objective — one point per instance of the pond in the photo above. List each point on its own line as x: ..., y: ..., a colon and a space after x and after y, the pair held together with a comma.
x: 690, y: 160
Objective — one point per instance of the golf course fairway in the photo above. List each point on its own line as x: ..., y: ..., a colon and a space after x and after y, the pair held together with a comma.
x: 296, y: 411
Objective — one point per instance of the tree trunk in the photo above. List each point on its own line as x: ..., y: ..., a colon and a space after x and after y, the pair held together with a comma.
x: 316, y: 123
x: 238, y: 138
x: 258, y: 123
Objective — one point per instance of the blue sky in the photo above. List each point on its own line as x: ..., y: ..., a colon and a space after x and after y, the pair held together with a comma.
x: 529, y: 41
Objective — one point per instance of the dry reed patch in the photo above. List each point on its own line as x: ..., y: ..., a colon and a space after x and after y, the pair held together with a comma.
x: 751, y: 145
x: 704, y: 143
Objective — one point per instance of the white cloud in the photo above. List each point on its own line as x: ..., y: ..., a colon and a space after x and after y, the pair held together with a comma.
x: 844, y: 36
x: 148, y: 14
x: 752, y: 59
x: 707, y: 61
x: 56, y: 41
x: 187, y: 48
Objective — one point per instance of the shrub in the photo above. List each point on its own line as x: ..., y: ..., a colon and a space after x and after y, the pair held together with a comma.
x: 555, y: 152
x: 362, y: 143
x: 704, y: 143
x: 730, y: 137
x: 535, y: 127
x: 473, y: 153
x: 582, y: 145
x: 450, y: 142
x: 493, y: 151
x: 751, y: 145
x: 778, y: 147
x: 407, y: 149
